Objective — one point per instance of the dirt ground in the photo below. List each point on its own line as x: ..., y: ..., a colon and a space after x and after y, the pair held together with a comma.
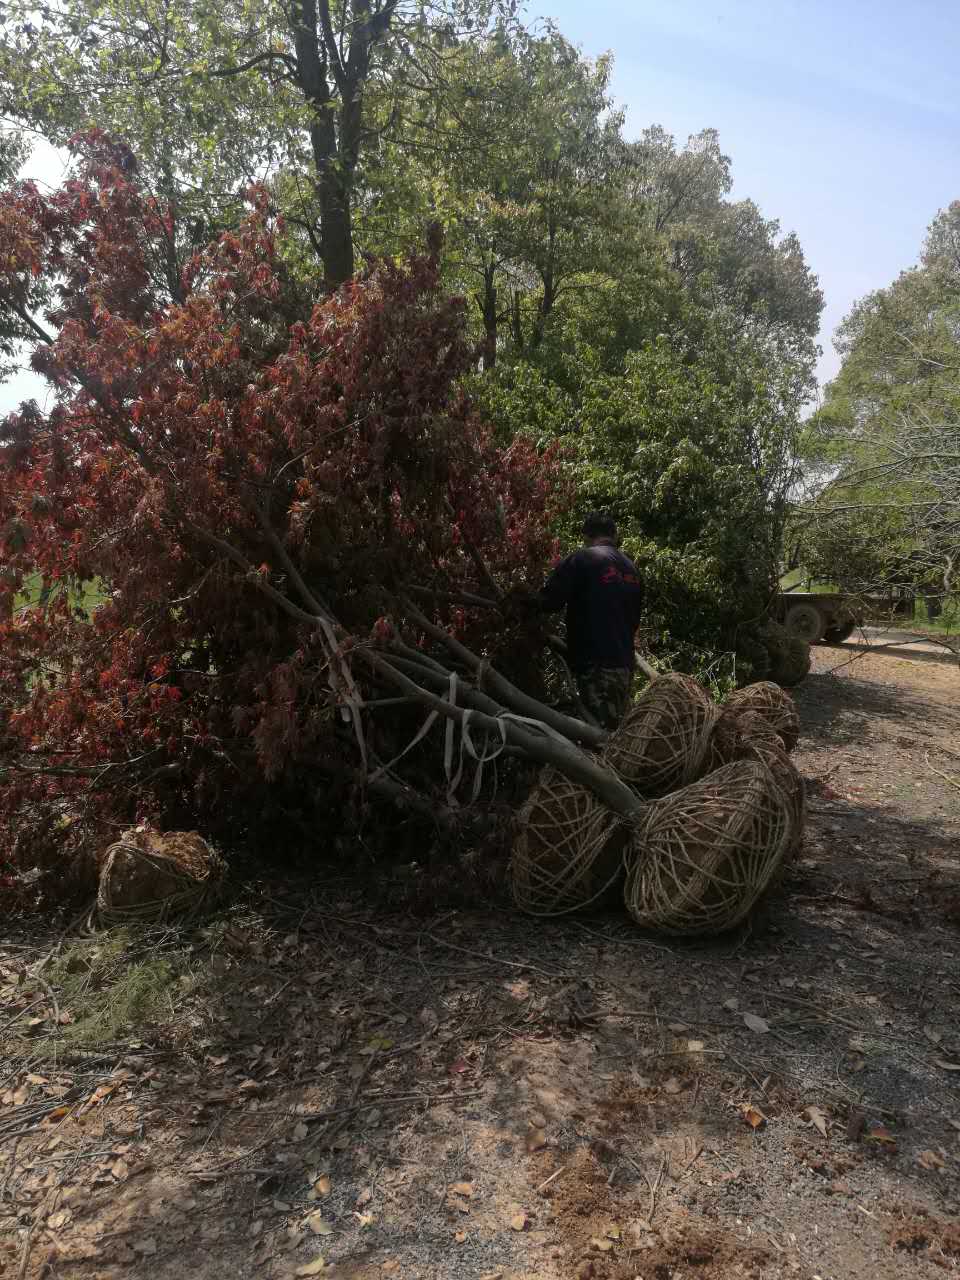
x: 325, y: 1090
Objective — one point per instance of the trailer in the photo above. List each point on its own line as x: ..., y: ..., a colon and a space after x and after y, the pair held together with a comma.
x: 818, y: 617
x: 822, y: 617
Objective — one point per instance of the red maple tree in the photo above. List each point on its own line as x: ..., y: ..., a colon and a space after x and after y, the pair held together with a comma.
x: 256, y: 476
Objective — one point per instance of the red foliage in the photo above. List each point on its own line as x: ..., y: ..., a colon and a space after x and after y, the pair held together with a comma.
x: 203, y: 453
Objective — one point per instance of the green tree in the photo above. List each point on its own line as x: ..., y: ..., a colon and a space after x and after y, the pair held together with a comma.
x: 210, y: 97
x: 885, y: 445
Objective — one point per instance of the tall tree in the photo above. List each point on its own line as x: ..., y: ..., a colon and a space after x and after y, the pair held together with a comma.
x: 211, y: 97
x: 886, y: 443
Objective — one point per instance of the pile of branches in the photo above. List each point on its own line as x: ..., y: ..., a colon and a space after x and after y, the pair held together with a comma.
x: 294, y: 520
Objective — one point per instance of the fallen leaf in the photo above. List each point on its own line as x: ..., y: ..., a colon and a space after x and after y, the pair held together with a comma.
x: 120, y: 1169
x: 460, y: 1237
x: 948, y: 1066
x: 931, y: 1160
x: 319, y: 1225
x: 300, y: 1132
x: 612, y: 1232
x: 391, y: 1264
x: 464, y: 1189
x: 673, y: 1085
x: 879, y: 1133
x: 519, y: 1222
x: 322, y: 1185
x: 60, y: 1219
x: 604, y: 1246
x: 696, y: 1046
x: 147, y: 1247
x: 311, y: 1268
x: 66, y: 1018
x: 933, y: 1035
x: 677, y: 1027
x: 817, y: 1119
x: 954, y: 1124
x: 755, y: 1023
x: 536, y: 1140
x: 365, y: 1219
x: 753, y: 1116
x: 365, y: 1196
x: 731, y: 1004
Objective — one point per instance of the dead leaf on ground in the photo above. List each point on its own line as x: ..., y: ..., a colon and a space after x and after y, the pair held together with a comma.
x: 147, y: 1247
x: 933, y: 1035
x: 817, y: 1118
x: 311, y: 1268
x: 673, y: 1085
x: 696, y: 1046
x: 322, y: 1185
x: 954, y: 1124
x: 365, y: 1219
x: 365, y: 1196
x: 464, y: 1189
x: 460, y: 1237
x: 319, y: 1225
x: 731, y: 1004
x: 604, y: 1246
x: 753, y: 1115
x: 536, y: 1140
x: 931, y: 1160
x: 881, y: 1134
x: 518, y: 1222
x: 120, y: 1169
x: 755, y: 1022
x: 948, y: 1066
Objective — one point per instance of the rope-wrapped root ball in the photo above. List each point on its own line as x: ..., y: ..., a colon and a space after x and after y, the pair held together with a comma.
x: 149, y: 877
x: 700, y: 859
x: 664, y: 740
x: 773, y: 704
x: 568, y: 849
x: 734, y: 731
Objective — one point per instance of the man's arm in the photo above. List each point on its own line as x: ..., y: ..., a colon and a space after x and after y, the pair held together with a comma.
x: 560, y: 586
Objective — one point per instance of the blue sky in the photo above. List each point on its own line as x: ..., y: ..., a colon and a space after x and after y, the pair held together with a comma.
x: 842, y: 117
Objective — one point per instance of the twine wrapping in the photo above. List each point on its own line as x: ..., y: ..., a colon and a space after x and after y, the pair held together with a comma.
x: 147, y: 877
x: 701, y: 858
x: 773, y: 703
x: 665, y: 737
x: 567, y: 851
x: 734, y: 731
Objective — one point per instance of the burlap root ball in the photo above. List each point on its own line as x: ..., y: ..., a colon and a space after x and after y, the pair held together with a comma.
x: 664, y: 740
x: 149, y: 877
x: 568, y: 849
x: 773, y: 704
x: 700, y: 859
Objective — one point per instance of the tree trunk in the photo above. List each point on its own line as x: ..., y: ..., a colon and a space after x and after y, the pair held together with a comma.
x: 488, y: 309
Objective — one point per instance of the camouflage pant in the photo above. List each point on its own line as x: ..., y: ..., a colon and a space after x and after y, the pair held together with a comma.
x: 605, y: 692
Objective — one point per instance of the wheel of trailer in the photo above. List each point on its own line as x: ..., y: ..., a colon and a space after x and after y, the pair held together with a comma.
x: 805, y: 621
x: 837, y: 635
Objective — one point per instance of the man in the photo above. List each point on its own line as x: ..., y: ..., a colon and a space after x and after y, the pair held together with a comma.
x: 601, y: 591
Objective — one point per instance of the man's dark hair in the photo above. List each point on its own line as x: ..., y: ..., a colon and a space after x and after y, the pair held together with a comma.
x: 599, y: 525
